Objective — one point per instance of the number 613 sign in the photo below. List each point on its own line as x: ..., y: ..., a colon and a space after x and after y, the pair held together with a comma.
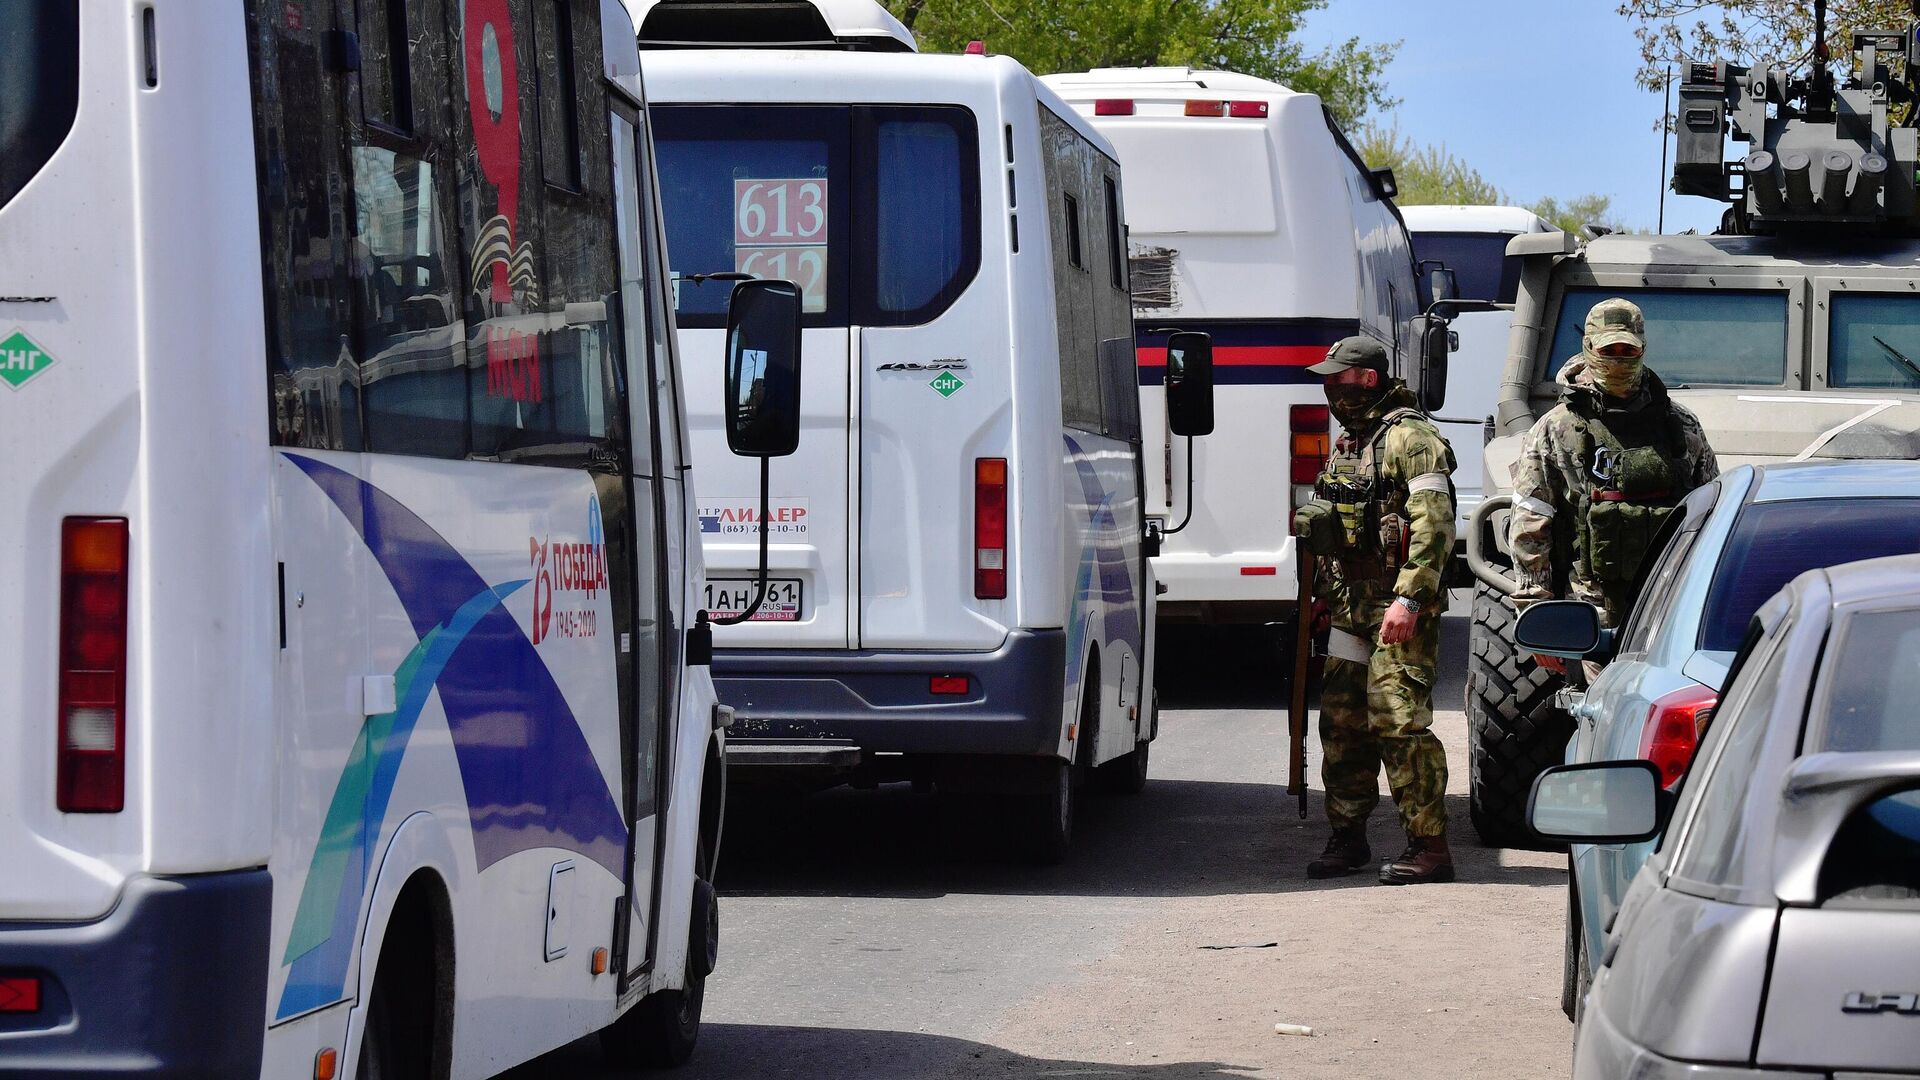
x: 780, y: 231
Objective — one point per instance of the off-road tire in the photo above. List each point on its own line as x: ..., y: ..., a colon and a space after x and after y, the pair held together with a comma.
x: 1513, y: 729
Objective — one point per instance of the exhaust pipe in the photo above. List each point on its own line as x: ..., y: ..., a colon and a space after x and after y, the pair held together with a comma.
x: 1836, y: 167
x: 1867, y: 182
x: 1798, y: 167
x: 1763, y: 179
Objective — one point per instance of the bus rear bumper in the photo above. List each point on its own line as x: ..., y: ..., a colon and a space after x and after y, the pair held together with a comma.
x: 883, y: 701
x: 171, y: 983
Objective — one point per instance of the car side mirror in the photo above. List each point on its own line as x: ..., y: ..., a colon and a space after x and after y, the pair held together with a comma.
x: 1610, y: 802
x: 1436, y: 347
x: 763, y: 369
x: 1569, y: 629
x: 1190, y: 383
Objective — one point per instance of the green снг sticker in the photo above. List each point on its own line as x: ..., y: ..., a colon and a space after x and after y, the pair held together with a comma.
x: 21, y: 359
x: 946, y: 383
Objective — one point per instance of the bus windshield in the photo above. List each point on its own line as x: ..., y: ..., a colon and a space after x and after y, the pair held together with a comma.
x: 1478, y: 260
x: 40, y: 83
x: 873, y: 211
x: 1874, y: 341
x: 1694, y: 336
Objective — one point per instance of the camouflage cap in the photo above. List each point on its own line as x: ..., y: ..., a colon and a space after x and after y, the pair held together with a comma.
x: 1615, y: 321
x: 1353, y: 352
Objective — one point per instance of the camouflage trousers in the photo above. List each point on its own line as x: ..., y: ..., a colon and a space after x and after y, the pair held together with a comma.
x: 1381, y: 712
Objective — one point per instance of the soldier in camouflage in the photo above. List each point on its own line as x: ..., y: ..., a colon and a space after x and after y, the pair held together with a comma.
x: 1382, y: 525
x: 1601, y: 471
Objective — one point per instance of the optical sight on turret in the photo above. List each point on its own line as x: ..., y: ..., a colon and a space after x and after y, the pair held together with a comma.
x: 1825, y: 157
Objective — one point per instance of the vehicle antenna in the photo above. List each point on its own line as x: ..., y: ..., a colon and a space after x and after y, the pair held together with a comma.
x: 1666, y: 121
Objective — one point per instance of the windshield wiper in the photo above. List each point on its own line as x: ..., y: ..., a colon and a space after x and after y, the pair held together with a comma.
x: 1912, y: 368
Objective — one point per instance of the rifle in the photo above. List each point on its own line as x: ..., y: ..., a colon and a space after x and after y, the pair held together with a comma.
x: 1302, y: 663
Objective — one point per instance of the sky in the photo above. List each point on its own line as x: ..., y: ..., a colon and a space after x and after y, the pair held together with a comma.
x: 1536, y: 94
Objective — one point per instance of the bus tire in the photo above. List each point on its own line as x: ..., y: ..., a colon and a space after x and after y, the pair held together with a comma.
x: 663, y: 1029
x: 1126, y: 774
x: 1513, y: 729
x: 401, y: 1040
x: 1050, y: 812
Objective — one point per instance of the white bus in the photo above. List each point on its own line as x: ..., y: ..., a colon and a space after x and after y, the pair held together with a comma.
x: 960, y: 592
x: 349, y: 721
x: 1253, y: 221
x: 1472, y: 242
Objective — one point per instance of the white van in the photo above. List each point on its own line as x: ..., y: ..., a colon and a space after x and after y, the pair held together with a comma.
x: 1472, y: 242
x: 960, y: 592
x: 1253, y: 221
x: 347, y: 607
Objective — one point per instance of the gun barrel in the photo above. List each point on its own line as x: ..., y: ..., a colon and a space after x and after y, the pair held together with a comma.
x: 1836, y: 167
x: 1763, y: 179
x: 1867, y: 182
x: 1798, y: 167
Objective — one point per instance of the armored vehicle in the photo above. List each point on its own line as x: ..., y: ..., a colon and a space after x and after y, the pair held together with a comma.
x: 1793, y: 334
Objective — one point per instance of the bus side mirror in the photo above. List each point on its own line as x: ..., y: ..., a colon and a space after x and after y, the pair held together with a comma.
x: 1441, y: 281
x: 1190, y: 383
x: 1436, y: 345
x: 763, y: 369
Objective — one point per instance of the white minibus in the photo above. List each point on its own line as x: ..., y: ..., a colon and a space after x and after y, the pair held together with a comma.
x: 351, y: 706
x: 1472, y: 242
x: 1253, y: 221
x: 959, y: 589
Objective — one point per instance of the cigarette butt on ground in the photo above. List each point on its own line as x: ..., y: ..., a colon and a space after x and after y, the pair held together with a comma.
x: 1292, y: 1029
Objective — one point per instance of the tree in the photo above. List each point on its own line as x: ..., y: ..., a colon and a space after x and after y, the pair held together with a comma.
x: 1426, y: 175
x: 1747, y: 31
x: 1254, y: 37
x: 1576, y: 213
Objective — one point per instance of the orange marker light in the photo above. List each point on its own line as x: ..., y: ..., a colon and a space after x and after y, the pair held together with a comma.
x: 599, y: 961
x: 326, y: 1064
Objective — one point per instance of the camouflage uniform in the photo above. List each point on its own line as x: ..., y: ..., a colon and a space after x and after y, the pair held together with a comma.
x: 1574, y: 534
x: 1381, y: 711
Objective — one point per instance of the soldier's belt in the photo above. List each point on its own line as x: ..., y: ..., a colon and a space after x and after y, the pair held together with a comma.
x: 1342, y: 645
x: 1621, y: 496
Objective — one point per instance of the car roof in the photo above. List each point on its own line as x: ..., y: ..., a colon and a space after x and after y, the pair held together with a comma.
x: 1473, y: 219
x: 1780, y: 481
x: 1893, y: 578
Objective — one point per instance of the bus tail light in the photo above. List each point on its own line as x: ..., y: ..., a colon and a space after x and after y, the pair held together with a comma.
x: 1311, y: 439
x: 990, y: 528
x: 1674, y: 726
x: 1113, y: 107
x: 92, y: 774
x: 1247, y: 110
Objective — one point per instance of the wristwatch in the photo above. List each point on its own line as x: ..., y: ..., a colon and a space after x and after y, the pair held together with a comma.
x: 1408, y: 602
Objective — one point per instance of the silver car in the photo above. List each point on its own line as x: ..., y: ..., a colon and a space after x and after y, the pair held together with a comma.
x: 1775, y: 933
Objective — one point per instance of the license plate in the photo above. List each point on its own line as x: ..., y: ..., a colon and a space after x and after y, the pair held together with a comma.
x: 731, y: 596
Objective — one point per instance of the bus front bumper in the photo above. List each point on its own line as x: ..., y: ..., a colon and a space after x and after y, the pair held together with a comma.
x: 836, y: 708
x: 171, y: 983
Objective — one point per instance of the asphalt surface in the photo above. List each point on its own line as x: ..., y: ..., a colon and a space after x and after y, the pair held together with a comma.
x: 885, y: 934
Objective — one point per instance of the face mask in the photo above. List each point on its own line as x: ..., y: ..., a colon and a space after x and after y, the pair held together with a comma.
x: 1350, y: 404
x: 1616, y: 378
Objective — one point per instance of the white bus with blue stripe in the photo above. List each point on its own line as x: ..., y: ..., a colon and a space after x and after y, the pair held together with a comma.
x: 960, y: 593
x: 351, y: 685
x: 1274, y: 238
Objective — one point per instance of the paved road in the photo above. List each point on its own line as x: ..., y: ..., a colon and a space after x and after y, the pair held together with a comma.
x: 876, y: 935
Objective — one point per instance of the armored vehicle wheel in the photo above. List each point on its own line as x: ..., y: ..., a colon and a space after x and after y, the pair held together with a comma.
x: 1513, y: 728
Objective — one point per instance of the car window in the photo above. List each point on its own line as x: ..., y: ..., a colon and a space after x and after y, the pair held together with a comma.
x: 1773, y: 543
x: 1713, y: 838
x: 1874, y: 860
x: 1694, y: 336
x: 1873, y: 696
x: 1659, y: 577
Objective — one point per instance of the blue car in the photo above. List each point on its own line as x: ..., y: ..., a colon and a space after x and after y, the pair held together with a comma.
x: 1727, y: 548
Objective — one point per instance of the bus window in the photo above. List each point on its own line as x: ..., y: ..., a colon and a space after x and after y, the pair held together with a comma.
x: 1478, y: 260
x: 764, y: 191
x: 559, y: 104
x: 926, y: 212
x: 386, y: 80
x: 40, y: 82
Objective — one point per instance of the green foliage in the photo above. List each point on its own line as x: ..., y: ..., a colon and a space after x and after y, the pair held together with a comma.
x: 1748, y: 31
x: 1427, y: 175
x: 1254, y: 37
x: 1577, y: 212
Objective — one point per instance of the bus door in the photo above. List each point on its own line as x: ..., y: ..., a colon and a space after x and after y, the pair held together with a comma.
x: 766, y: 190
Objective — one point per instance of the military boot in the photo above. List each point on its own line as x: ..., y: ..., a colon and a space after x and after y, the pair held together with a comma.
x: 1347, y: 852
x: 1425, y: 860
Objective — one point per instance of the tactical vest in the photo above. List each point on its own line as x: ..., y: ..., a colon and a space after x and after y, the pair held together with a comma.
x: 1370, y: 525
x: 1634, y: 467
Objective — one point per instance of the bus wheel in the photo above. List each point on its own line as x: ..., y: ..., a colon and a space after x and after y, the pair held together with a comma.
x: 1513, y: 729
x: 1126, y: 774
x: 1050, y: 812
x: 400, y: 1037
x: 662, y: 1030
